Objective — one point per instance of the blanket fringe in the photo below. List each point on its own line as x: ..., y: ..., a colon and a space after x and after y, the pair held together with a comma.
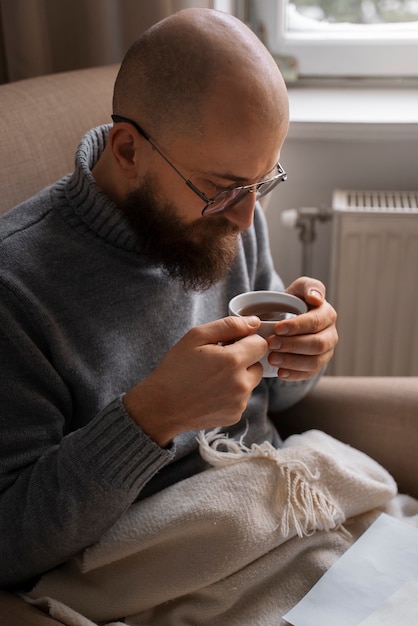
x: 306, y: 508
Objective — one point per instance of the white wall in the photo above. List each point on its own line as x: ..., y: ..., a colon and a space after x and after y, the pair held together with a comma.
x: 321, y: 157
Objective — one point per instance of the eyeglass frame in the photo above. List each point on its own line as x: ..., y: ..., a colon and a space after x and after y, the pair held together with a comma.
x: 280, y: 177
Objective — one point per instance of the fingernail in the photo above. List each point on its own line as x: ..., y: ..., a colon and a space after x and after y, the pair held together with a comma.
x: 275, y: 343
x: 282, y: 330
x: 253, y: 321
x: 316, y: 294
x: 283, y: 374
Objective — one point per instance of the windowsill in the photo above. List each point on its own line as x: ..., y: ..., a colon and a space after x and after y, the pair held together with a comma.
x: 353, y: 113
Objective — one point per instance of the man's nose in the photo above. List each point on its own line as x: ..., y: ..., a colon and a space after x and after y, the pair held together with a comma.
x: 242, y: 213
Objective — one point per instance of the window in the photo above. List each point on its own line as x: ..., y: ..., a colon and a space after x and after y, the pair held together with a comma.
x: 336, y: 38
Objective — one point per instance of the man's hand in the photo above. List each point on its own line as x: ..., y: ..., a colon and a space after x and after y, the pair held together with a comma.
x: 304, y: 344
x: 204, y: 381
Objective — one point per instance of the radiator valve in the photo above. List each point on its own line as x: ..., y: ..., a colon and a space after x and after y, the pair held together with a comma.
x: 304, y: 219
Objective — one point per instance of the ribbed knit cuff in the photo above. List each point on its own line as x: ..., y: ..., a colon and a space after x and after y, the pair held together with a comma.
x: 116, y: 452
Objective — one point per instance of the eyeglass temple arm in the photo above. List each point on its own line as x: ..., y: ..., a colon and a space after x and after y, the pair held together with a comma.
x: 141, y: 131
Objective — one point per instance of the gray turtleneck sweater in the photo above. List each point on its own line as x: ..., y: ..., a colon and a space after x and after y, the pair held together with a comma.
x: 83, y: 317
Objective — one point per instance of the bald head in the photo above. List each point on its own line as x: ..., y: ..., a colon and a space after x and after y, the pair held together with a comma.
x: 196, y: 64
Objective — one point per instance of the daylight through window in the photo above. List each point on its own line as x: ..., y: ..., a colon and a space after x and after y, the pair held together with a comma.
x: 359, y: 38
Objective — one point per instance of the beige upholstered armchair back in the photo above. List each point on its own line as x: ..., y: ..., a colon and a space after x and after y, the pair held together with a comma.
x: 41, y: 123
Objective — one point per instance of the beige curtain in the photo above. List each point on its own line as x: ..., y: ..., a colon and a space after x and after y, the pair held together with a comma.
x: 46, y: 36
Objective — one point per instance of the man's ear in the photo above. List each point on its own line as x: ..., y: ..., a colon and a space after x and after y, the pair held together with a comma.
x: 124, y: 144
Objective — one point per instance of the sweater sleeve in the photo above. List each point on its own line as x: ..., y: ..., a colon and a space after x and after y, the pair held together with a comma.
x: 61, y: 487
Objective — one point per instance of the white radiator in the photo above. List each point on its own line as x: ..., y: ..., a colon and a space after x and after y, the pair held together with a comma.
x: 374, y: 282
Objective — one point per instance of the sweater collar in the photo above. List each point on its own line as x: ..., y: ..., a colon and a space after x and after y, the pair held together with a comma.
x: 88, y: 202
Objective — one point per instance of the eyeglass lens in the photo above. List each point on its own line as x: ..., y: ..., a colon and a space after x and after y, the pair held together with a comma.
x: 230, y: 197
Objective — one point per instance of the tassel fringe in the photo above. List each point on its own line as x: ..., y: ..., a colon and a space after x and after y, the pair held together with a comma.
x: 306, y: 508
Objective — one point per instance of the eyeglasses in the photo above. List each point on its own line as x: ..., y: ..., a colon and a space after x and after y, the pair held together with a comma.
x: 225, y: 198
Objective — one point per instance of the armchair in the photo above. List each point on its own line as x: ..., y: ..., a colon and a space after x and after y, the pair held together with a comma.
x: 42, y: 121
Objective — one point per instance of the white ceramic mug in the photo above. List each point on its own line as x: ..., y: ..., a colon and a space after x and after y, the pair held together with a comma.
x: 248, y: 303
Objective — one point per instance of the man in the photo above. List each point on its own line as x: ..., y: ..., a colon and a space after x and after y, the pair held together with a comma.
x: 115, y: 284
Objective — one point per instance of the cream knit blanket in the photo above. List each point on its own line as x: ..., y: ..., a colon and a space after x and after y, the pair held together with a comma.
x: 238, y: 544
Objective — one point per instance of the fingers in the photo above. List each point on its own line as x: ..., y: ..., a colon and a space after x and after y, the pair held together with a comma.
x: 311, y: 344
x: 224, y: 330
x: 245, y: 352
x: 203, y: 381
x: 312, y: 322
x: 231, y: 340
x: 225, y: 347
x: 299, y: 366
x: 303, y: 345
x: 309, y: 289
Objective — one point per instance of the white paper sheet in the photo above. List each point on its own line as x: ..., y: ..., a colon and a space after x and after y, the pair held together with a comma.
x: 379, y: 564
x: 400, y: 608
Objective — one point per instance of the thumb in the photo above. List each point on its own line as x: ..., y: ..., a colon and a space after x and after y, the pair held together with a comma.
x: 309, y: 289
x: 229, y: 329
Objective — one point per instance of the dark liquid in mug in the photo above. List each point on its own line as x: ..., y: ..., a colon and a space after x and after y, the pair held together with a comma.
x: 268, y: 311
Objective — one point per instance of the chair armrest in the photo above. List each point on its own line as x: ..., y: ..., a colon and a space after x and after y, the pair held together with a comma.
x: 16, y: 612
x: 378, y: 415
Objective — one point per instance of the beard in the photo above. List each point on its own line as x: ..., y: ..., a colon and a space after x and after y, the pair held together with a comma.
x: 199, y: 254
